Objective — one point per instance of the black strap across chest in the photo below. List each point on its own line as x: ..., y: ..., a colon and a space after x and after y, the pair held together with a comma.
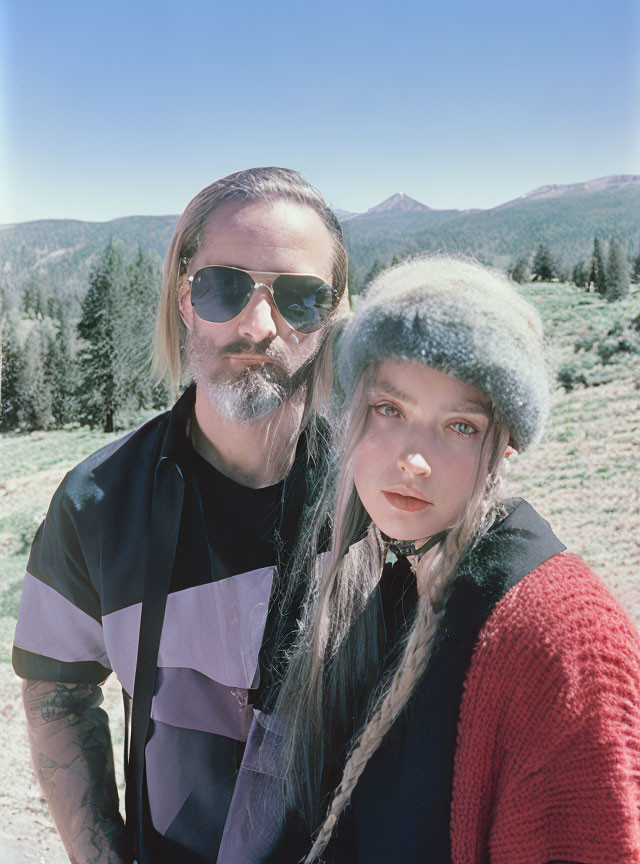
x: 401, y: 805
x: 166, y: 509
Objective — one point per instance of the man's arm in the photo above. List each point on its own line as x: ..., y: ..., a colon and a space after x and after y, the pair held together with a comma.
x: 73, y: 758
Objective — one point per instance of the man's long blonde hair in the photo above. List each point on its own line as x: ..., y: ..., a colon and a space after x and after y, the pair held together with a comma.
x: 254, y: 184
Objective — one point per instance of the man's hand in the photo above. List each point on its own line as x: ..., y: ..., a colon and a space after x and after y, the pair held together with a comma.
x: 73, y: 758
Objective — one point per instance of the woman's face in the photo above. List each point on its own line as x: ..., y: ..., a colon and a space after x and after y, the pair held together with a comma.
x: 417, y: 463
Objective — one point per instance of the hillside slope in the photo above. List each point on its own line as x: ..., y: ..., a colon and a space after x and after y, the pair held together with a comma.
x: 61, y: 252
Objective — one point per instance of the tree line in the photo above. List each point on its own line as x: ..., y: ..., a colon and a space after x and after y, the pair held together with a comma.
x: 92, y: 370
x: 62, y: 366
x: 611, y: 280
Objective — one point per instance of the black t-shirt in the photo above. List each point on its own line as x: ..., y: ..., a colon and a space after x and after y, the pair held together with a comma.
x: 226, y: 528
x: 227, y: 532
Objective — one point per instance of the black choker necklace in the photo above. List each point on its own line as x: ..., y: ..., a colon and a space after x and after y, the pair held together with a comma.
x: 404, y: 548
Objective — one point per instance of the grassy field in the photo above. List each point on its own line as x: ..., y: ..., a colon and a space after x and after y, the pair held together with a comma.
x: 583, y: 477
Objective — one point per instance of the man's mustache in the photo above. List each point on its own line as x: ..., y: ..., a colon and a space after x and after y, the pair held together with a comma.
x: 261, y: 349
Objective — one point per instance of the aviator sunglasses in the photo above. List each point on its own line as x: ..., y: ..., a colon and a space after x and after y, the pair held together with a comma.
x: 220, y: 293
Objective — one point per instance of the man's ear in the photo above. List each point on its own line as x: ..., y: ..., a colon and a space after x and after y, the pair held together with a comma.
x: 184, y: 302
x: 509, y: 451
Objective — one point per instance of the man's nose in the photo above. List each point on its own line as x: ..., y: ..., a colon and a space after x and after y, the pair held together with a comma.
x: 257, y: 320
x: 414, y: 465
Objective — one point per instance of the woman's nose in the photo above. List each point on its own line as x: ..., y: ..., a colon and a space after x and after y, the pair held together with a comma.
x: 414, y: 465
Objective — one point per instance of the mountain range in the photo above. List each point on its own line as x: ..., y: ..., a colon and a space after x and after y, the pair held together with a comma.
x: 566, y: 217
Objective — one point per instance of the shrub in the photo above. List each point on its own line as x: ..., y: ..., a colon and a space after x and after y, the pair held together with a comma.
x: 616, y: 329
x: 569, y: 376
x: 585, y: 343
x: 607, y: 348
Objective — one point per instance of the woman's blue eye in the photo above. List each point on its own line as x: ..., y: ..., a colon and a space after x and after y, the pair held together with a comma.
x: 386, y: 410
x: 465, y: 429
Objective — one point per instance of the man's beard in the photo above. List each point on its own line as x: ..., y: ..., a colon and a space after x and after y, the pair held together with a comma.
x: 247, y: 395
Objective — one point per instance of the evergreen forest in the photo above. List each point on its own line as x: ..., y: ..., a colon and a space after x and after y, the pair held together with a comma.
x: 87, y: 365
x: 78, y: 299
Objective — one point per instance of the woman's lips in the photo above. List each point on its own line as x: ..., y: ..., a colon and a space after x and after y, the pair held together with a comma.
x: 405, y: 501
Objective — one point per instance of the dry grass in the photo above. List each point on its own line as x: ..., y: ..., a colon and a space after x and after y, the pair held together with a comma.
x: 583, y: 478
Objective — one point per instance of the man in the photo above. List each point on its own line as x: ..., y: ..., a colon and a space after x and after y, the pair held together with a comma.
x: 174, y: 531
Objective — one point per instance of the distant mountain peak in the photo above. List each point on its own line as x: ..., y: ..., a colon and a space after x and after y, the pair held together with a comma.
x: 556, y: 190
x: 343, y: 215
x: 400, y: 203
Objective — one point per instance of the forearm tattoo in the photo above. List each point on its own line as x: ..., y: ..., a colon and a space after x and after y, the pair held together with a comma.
x: 72, y: 754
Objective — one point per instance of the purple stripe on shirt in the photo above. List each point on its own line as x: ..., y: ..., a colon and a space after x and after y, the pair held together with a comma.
x: 50, y: 625
x: 191, y: 700
x: 215, y: 628
x: 121, y: 631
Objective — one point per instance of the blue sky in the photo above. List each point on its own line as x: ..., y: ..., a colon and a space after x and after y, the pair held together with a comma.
x: 118, y: 108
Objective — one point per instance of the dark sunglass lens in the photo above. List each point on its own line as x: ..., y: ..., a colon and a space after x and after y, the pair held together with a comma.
x: 303, y: 301
x: 220, y: 293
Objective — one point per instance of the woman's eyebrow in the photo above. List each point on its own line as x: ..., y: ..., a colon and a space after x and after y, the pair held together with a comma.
x: 391, y: 390
x: 383, y: 386
x: 474, y: 407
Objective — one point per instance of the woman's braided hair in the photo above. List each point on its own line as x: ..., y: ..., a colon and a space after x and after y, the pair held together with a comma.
x: 479, y: 514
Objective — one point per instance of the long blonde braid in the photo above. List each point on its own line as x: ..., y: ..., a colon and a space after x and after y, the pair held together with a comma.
x: 477, y: 517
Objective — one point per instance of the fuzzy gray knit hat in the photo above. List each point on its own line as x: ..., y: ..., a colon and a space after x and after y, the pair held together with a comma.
x: 458, y: 317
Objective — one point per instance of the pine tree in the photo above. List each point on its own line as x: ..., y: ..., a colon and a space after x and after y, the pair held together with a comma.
x: 34, y: 300
x: 353, y: 279
x: 598, y: 273
x: 635, y: 275
x: 617, y: 273
x: 520, y: 270
x: 543, y: 266
x: 60, y: 373
x: 376, y: 267
x: 579, y: 276
x: 12, y: 363
x: 56, y: 309
x: 35, y: 393
x: 96, y: 358
x: 134, y: 306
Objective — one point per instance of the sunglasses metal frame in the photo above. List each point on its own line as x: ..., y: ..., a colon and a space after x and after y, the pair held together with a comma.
x: 269, y: 287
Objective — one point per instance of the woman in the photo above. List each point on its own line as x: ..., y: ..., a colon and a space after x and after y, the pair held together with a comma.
x: 481, y: 700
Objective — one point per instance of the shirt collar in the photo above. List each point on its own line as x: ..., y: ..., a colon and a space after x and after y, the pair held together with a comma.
x: 178, y: 419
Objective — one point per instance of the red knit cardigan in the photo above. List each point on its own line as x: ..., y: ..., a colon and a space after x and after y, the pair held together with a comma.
x: 547, y: 761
